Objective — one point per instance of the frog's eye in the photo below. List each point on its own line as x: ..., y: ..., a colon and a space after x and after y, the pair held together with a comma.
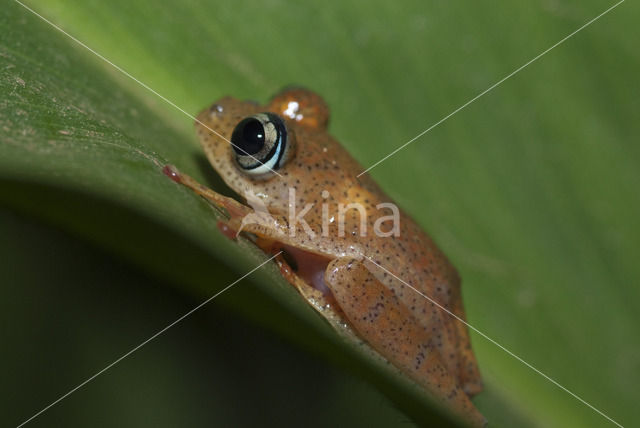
x: 260, y: 143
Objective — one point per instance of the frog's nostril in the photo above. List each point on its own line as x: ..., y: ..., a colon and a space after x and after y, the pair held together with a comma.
x: 216, y: 110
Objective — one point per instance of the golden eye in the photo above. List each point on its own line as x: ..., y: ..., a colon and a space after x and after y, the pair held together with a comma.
x: 260, y: 143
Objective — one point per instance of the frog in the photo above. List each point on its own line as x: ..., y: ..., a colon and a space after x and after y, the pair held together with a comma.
x: 393, y: 290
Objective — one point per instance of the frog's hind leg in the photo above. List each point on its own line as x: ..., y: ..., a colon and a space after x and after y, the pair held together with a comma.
x: 381, y: 319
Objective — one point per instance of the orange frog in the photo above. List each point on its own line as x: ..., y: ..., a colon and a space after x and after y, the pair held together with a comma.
x: 364, y: 265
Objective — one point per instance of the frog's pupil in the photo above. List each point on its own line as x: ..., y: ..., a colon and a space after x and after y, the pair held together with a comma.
x: 248, y: 137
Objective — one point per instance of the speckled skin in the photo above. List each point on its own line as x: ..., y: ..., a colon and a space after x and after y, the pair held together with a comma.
x: 422, y: 340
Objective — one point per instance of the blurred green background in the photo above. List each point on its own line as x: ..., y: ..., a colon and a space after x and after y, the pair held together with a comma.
x: 532, y: 191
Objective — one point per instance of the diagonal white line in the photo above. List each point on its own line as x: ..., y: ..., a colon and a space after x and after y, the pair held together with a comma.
x: 517, y: 70
x: 495, y: 343
x: 148, y: 340
x: 144, y: 85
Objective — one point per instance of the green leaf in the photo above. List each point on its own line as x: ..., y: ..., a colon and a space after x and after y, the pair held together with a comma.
x: 531, y: 190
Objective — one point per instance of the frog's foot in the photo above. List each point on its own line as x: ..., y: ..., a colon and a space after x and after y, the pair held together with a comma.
x: 234, y: 208
x: 381, y: 319
x: 226, y: 229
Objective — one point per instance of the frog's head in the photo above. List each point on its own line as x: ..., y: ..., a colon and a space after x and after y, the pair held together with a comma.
x: 269, y: 149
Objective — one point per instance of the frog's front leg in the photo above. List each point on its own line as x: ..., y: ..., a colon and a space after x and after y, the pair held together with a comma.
x: 381, y: 319
x: 235, y: 209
